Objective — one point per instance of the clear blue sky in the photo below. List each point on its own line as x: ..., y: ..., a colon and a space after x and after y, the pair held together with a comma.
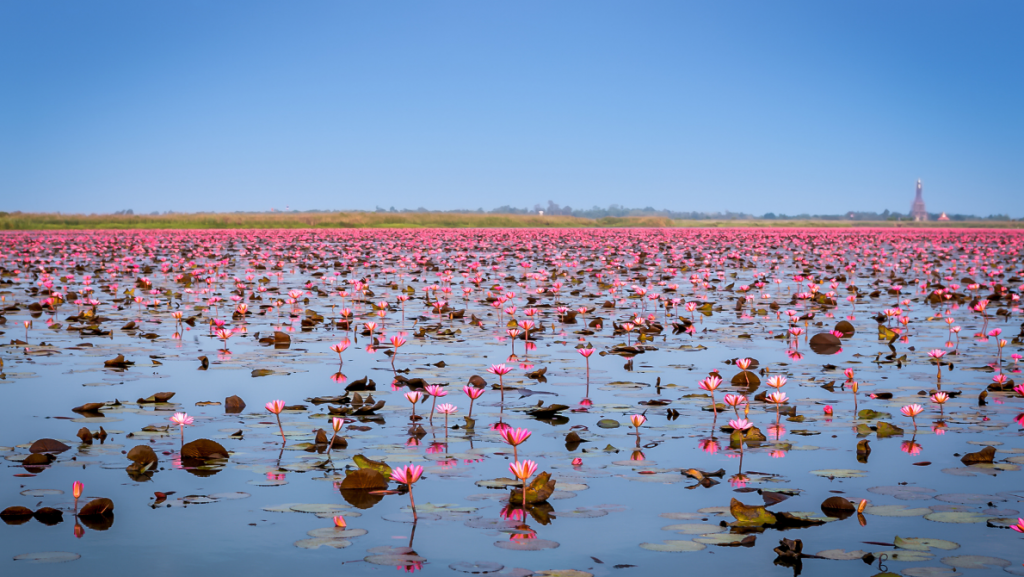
x: 785, y: 106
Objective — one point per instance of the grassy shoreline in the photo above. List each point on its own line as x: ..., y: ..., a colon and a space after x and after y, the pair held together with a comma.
x: 295, y: 220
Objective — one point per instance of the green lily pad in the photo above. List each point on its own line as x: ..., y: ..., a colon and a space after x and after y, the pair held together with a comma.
x: 924, y: 543
x: 931, y: 572
x: 905, y: 556
x: 957, y: 517
x: 974, y: 562
x: 48, y: 557
x: 896, y: 510
x: 839, y: 473
x: 674, y: 546
x: 336, y: 533
x: 842, y: 555
x: 694, y: 528
x: 318, y: 542
x: 526, y: 544
x: 723, y: 539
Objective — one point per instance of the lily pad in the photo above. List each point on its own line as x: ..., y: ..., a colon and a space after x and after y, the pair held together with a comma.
x: 48, y: 557
x: 974, y: 562
x: 674, y: 546
x: 840, y: 473
x: 957, y: 517
x: 924, y: 543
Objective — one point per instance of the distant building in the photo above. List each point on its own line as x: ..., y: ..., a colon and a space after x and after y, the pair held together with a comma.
x: 943, y: 217
x: 917, y: 210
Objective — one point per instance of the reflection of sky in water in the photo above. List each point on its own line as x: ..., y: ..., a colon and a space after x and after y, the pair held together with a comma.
x: 603, y: 508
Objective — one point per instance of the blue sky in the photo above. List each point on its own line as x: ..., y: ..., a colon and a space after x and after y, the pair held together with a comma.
x: 757, y: 106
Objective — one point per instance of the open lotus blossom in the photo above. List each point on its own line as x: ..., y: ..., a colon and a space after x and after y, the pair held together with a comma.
x: 515, y: 437
x: 523, y: 471
x: 340, y: 348
x: 735, y: 401
x: 413, y: 397
x: 276, y: 407
x: 473, y: 393
x: 777, y: 398
x: 182, y: 419
x: 446, y: 409
x: 709, y: 384
x: 744, y: 364
x: 500, y: 370
x: 1019, y: 527
x: 740, y: 424
x: 1019, y: 389
x: 408, y: 475
x: 912, y: 411
x: 776, y: 381
x: 434, y: 391
x: 939, y: 397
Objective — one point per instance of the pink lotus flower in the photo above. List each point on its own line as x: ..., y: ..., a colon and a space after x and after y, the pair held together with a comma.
x: 408, y: 475
x: 76, y: 491
x: 500, y: 370
x: 276, y: 407
x: 1019, y: 527
x: 523, y: 471
x: 744, y: 364
x: 912, y: 411
x: 637, y: 420
x: 473, y: 393
x: 339, y: 522
x: 776, y: 382
x: 515, y: 437
x: 740, y: 424
x: 849, y: 373
x: 340, y: 348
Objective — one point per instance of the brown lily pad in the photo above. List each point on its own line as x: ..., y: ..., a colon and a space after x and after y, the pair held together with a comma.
x: 983, y: 456
x: 48, y: 446
x: 204, y: 449
x: 142, y: 454
x: 101, y: 506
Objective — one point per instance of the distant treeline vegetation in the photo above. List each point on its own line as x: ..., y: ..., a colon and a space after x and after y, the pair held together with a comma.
x: 614, y: 210
x: 554, y: 216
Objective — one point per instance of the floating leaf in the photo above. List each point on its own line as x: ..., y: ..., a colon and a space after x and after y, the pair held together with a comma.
x: 974, y: 562
x: 957, y: 517
x: 839, y: 473
x: 674, y: 546
x: 924, y: 543
x: 48, y: 557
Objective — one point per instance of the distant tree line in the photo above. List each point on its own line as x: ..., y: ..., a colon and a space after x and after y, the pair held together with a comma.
x: 616, y: 210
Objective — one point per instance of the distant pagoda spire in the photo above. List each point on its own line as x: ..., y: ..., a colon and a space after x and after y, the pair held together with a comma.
x: 917, y: 210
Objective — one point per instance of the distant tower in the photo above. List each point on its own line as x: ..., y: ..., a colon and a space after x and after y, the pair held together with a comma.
x: 917, y: 211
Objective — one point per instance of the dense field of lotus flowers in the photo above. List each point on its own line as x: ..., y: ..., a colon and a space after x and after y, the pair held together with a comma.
x: 507, y: 402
